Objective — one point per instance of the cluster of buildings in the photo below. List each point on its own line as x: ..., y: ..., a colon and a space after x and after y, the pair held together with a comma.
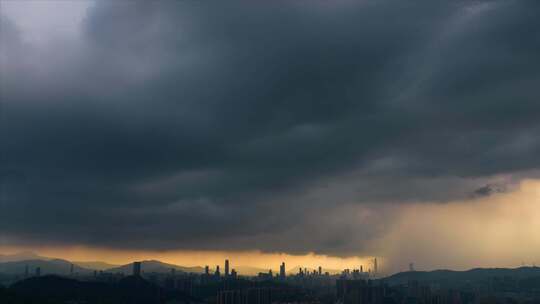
x: 37, y: 271
x: 223, y: 285
x: 361, y: 273
x: 229, y: 273
x: 245, y: 296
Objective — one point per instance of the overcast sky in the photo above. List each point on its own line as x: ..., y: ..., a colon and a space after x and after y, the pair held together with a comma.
x: 287, y: 126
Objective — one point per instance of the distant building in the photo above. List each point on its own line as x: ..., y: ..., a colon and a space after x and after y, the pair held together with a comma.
x: 411, y: 266
x: 226, y: 268
x: 320, y: 270
x: 206, y: 270
x: 282, y: 271
x: 358, y: 292
x: 245, y: 296
x: 217, y: 273
x: 183, y: 284
x: 71, y: 269
x: 136, y: 268
x: 265, y: 276
x: 375, y: 267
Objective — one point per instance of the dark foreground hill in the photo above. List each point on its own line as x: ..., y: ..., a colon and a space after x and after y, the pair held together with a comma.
x: 454, y: 278
x: 56, y: 289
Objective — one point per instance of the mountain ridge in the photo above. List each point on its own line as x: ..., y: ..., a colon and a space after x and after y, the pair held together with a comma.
x: 22, y: 256
x: 455, y: 277
x: 155, y: 266
x: 52, y: 266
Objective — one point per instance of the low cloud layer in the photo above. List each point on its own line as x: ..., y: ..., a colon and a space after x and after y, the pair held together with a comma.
x: 284, y: 127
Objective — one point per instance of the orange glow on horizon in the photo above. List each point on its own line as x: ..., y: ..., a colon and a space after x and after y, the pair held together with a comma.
x: 197, y: 258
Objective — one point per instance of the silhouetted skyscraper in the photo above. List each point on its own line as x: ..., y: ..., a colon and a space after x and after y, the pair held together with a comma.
x: 217, y: 273
x: 375, y: 266
x: 282, y: 271
x: 320, y: 270
x: 206, y: 270
x: 136, y: 268
x: 226, y: 268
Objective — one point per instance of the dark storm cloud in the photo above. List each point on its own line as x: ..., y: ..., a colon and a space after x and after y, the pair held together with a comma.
x: 238, y: 126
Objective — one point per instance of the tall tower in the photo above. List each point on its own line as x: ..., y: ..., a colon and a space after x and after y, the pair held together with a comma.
x: 320, y: 270
x: 375, y: 267
x: 137, y: 269
x: 217, y: 273
x: 226, y: 268
x: 282, y: 271
x: 206, y: 270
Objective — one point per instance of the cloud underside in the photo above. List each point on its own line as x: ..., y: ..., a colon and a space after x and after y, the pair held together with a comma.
x: 289, y: 126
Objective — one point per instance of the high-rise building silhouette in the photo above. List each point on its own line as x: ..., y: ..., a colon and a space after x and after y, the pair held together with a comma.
x: 136, y: 268
x: 226, y: 268
x: 375, y: 266
x: 411, y: 266
x: 206, y: 270
x: 282, y: 271
x: 320, y: 270
x: 217, y: 273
